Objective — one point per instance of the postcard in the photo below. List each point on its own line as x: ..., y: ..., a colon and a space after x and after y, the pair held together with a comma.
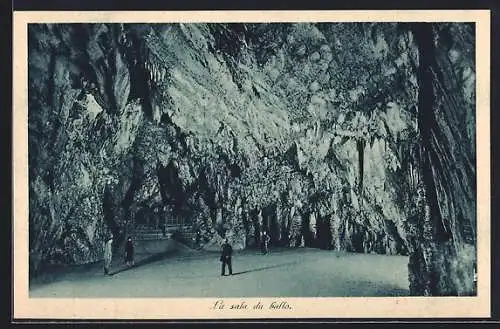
x: 251, y: 164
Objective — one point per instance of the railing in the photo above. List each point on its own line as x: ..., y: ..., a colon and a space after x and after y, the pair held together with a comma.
x: 153, y: 233
x: 159, y: 229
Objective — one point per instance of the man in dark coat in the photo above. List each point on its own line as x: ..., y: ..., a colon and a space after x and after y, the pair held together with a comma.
x: 225, y: 258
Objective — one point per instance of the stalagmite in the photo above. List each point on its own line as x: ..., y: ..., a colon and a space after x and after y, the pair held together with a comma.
x: 312, y: 224
x: 292, y: 211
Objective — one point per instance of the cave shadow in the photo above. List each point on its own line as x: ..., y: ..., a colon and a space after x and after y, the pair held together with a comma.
x: 264, y: 268
x: 142, y: 262
x: 391, y: 292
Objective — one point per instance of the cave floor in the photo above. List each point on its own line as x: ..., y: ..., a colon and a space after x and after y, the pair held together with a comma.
x: 301, y: 272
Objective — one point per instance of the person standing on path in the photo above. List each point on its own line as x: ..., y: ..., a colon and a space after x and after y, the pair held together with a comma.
x: 265, y: 243
x: 261, y: 242
x: 108, y: 254
x: 225, y: 258
x: 129, y: 252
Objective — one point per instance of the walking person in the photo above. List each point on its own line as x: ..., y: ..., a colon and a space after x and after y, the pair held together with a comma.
x: 129, y: 252
x: 108, y: 254
x: 225, y: 258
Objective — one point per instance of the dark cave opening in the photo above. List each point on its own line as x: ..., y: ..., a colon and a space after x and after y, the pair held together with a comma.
x: 324, y: 233
x: 172, y: 188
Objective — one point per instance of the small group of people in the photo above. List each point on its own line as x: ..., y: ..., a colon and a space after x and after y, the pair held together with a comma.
x: 108, y: 253
x: 225, y: 257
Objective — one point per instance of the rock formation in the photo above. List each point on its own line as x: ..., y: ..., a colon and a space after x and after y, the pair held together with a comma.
x: 356, y: 137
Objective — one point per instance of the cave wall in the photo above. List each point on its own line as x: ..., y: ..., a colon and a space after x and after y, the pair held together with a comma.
x: 447, y: 214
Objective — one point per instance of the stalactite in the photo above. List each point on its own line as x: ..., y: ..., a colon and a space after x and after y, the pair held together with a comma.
x: 360, y: 143
x: 279, y: 221
x: 260, y: 219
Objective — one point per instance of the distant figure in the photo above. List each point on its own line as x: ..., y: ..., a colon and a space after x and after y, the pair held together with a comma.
x: 265, y: 243
x: 129, y: 252
x: 475, y: 276
x: 198, y: 236
x: 108, y: 254
x: 225, y: 257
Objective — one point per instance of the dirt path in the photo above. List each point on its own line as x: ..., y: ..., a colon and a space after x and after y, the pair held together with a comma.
x: 284, y: 273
